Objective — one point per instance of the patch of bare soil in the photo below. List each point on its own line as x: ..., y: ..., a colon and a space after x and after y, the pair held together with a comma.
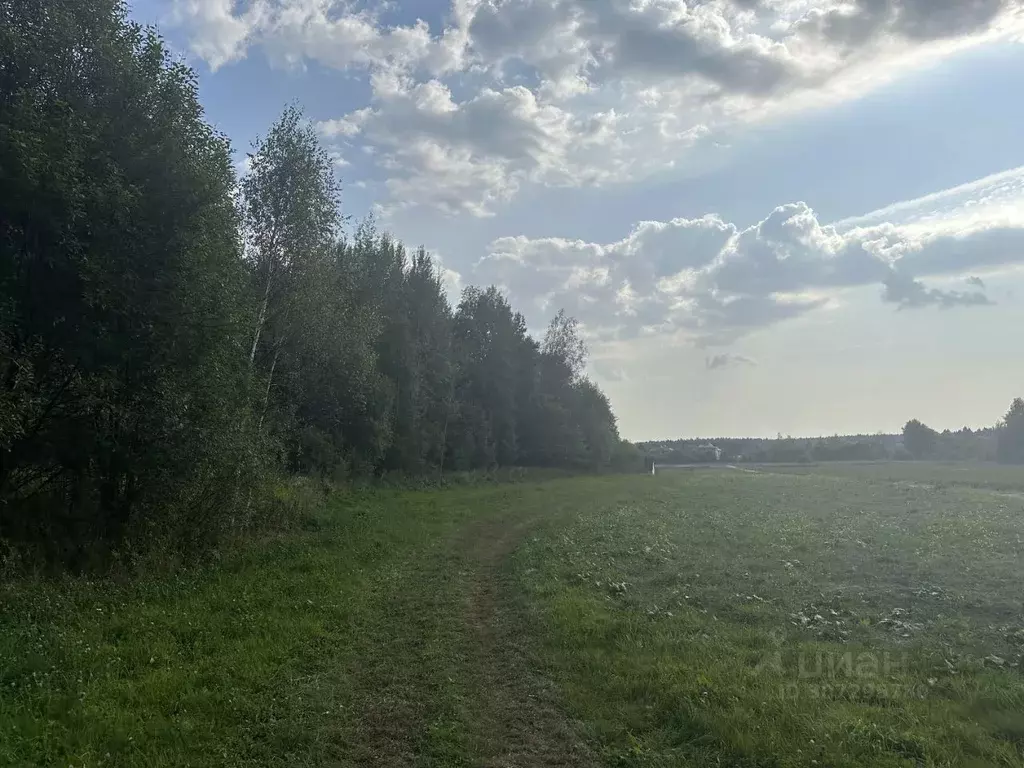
x: 520, y: 723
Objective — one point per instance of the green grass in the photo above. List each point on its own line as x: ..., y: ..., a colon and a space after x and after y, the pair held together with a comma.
x: 258, y: 660
x: 940, y: 474
x: 695, y: 618
x: 757, y: 619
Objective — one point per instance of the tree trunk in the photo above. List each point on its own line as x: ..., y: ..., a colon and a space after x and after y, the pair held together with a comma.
x: 444, y: 430
x: 266, y: 396
x: 261, y: 318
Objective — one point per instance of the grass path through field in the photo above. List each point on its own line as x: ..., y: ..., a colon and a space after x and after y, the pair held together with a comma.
x: 519, y: 722
x: 496, y: 710
x: 385, y: 638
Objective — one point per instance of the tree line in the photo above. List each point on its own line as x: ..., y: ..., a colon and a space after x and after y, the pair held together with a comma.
x: 786, y: 450
x: 1003, y: 442
x: 173, y: 338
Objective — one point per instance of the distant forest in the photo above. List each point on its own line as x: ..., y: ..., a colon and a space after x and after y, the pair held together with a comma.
x: 1003, y: 442
x: 176, y: 341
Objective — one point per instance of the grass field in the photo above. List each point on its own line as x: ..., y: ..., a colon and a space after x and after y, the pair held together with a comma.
x: 939, y: 474
x: 830, y: 616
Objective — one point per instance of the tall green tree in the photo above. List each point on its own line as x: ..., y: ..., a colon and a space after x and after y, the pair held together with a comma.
x: 424, y: 384
x: 571, y: 420
x: 919, y: 439
x: 596, y: 424
x: 168, y: 336
x: 120, y: 285
x: 290, y: 204
x: 488, y: 338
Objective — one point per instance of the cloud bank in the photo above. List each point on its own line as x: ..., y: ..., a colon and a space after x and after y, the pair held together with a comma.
x: 579, y: 92
x: 713, y: 281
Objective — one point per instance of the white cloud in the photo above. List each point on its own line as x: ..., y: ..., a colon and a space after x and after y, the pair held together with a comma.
x: 581, y: 92
x: 290, y: 32
x: 218, y: 32
x: 856, y: 22
x: 465, y: 156
x: 451, y: 279
x: 337, y: 158
x: 716, y: 62
x: 707, y: 280
x: 995, y: 199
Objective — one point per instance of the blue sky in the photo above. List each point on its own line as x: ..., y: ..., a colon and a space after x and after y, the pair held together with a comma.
x: 771, y: 216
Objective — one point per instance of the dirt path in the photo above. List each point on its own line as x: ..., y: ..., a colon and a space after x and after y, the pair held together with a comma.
x: 520, y: 722
x: 455, y: 657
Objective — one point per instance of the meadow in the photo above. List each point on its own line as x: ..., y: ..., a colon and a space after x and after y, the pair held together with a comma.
x: 993, y: 477
x: 815, y: 616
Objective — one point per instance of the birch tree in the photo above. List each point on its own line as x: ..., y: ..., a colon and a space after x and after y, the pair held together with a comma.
x: 290, y: 201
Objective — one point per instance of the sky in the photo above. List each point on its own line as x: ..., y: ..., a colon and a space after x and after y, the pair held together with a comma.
x: 769, y: 216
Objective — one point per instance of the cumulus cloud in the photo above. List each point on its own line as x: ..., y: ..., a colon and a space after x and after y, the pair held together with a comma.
x: 713, y: 282
x: 741, y: 46
x: 464, y: 156
x: 291, y: 32
x: 218, y: 32
x: 727, y: 359
x: 574, y: 43
x: 858, y: 22
x: 579, y: 92
x: 753, y: 48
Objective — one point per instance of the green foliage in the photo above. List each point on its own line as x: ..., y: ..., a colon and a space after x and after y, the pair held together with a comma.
x: 917, y: 441
x: 920, y: 439
x: 627, y: 457
x: 1010, y: 439
x: 172, y: 339
x: 121, y: 291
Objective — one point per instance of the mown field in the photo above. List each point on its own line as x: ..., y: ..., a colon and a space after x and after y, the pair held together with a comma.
x: 825, y: 617
x: 993, y: 477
